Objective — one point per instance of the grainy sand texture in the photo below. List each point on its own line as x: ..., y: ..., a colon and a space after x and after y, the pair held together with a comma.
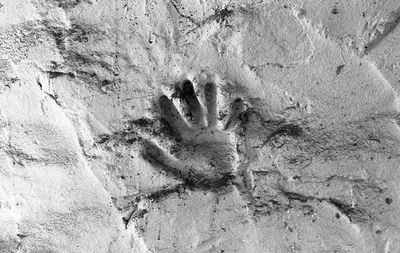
x: 180, y: 126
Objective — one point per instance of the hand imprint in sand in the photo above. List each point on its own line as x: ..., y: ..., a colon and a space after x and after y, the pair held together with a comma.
x: 205, y: 155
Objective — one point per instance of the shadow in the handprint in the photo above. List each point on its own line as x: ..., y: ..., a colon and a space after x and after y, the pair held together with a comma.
x: 190, y: 178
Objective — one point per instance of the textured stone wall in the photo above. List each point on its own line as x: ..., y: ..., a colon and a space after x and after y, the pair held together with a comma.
x: 199, y: 126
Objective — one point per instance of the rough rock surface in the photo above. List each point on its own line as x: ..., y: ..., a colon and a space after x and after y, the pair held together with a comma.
x: 290, y: 143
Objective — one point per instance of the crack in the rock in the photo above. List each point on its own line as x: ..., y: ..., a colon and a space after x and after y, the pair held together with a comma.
x: 55, y: 74
x: 219, y: 15
x: 352, y: 212
x: 274, y: 64
x: 382, y: 32
x: 177, y: 9
x: 166, y: 192
x: 18, y: 156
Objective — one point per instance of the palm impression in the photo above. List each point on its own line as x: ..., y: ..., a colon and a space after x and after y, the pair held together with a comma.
x: 204, y: 155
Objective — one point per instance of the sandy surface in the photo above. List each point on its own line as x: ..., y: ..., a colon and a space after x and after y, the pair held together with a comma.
x: 199, y: 126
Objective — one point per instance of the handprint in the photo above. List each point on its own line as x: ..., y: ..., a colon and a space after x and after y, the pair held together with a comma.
x: 205, y: 155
